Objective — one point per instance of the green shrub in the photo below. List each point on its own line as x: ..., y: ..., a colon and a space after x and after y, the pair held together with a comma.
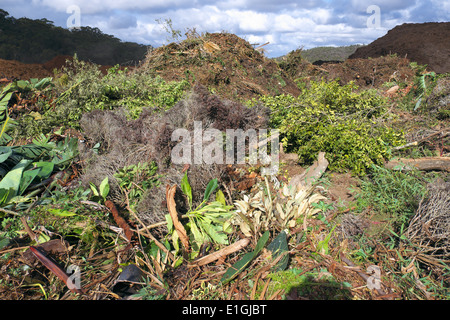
x: 346, y: 124
x: 83, y: 88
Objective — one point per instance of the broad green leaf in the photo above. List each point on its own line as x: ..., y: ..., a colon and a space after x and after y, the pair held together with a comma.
x: 94, y: 189
x: 27, y: 178
x: 215, y: 233
x: 322, y: 246
x: 42, y: 84
x: 212, y: 185
x: 13, y: 178
x: 196, y: 232
x: 175, y: 242
x: 278, y: 247
x: 220, y: 197
x: 46, y: 169
x: 3, y: 243
x: 30, y: 151
x: 23, y: 84
x: 5, y: 100
x: 186, y: 188
x: 169, y: 222
x: 104, y: 188
x: 237, y: 268
x: 240, y: 265
x: 5, y: 152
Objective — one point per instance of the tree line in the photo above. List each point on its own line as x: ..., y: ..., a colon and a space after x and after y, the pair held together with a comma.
x: 39, y: 40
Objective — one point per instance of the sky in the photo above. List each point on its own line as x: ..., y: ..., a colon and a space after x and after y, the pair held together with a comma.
x: 286, y: 24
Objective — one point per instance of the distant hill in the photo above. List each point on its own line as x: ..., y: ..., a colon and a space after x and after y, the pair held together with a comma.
x: 317, y: 54
x: 38, y: 41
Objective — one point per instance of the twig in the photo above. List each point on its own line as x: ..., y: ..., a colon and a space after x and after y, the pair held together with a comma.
x: 255, y: 285
x: 148, y: 234
x: 263, y: 292
x: 221, y: 253
x: 10, y: 212
x: 13, y: 249
x: 442, y: 134
x: 366, y: 278
x: 30, y: 232
x: 119, y: 220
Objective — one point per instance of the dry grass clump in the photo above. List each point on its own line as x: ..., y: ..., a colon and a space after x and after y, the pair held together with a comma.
x: 351, y: 225
x: 429, y: 230
x: 125, y: 142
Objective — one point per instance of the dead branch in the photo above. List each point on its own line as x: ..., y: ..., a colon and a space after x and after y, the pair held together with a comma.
x: 119, y: 220
x: 380, y: 291
x: 221, y: 253
x: 171, y: 205
x: 440, y: 134
x: 426, y: 164
x: 312, y: 174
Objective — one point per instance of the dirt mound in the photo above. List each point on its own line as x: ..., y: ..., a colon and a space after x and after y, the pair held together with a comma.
x: 57, y: 62
x: 424, y: 43
x: 364, y: 72
x: 223, y: 62
x: 12, y: 69
x: 369, y: 72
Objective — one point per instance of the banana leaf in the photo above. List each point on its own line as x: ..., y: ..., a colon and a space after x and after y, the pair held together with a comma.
x: 279, y: 247
x: 239, y: 266
x: 10, y: 184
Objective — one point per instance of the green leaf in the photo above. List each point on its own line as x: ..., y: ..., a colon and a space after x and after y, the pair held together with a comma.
x: 278, y: 247
x: 46, y: 169
x: 5, y: 152
x: 43, y: 83
x: 212, y: 185
x: 104, y: 188
x: 6, y: 195
x: 28, y: 177
x: 12, y: 179
x: 215, y: 233
x: 23, y: 84
x: 240, y: 265
x: 3, y: 243
x: 186, y: 188
x: 94, y: 189
x: 62, y: 213
x: 220, y: 197
x: 196, y: 231
x: 7, y: 123
x: 5, y: 100
x: 322, y: 246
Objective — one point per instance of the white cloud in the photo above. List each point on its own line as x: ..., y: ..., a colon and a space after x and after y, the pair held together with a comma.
x: 249, y: 21
x: 286, y: 24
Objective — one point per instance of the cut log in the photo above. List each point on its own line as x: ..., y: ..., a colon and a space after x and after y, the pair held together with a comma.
x: 426, y: 164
